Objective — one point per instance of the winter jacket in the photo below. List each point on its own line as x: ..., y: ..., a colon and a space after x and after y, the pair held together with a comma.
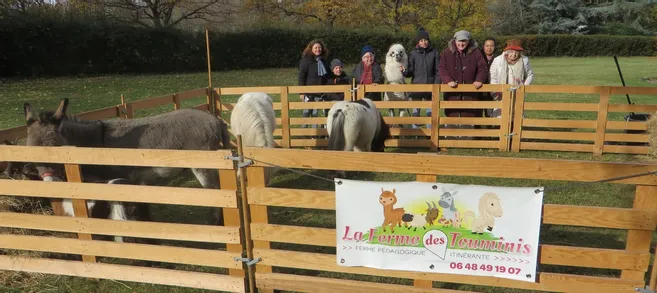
x: 308, y: 72
x: 377, y: 77
x: 423, y: 69
x: 498, y: 70
x: 463, y: 68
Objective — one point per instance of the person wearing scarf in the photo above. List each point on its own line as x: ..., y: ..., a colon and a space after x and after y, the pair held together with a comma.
x: 313, y: 71
x: 368, y: 71
x: 512, y: 67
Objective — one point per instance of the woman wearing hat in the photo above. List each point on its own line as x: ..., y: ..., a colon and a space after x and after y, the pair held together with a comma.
x: 512, y: 67
x: 368, y: 71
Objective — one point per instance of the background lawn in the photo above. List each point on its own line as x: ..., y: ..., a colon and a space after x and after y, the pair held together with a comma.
x: 88, y: 93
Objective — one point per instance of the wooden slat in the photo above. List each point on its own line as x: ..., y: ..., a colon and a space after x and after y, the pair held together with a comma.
x: 408, y: 143
x: 117, y: 156
x: 229, y: 106
x: 410, y: 131
x: 470, y: 121
x: 171, y: 254
x: 623, y: 125
x: 498, y: 167
x: 169, y: 231
x: 312, y: 105
x: 549, y: 254
x: 639, y: 241
x: 104, y: 113
x: 475, y: 144
x: 541, y: 106
x: 551, y: 146
x: 600, y: 132
x: 585, y: 136
x: 317, y: 89
x: 242, y: 90
x: 626, y: 137
x: 299, y: 283
x: 562, y: 89
x: 559, y: 123
x: 14, y: 133
x: 181, y: 96
x: 546, y: 281
x: 123, y: 273
x: 120, y: 192
x: 633, y: 108
x: 80, y: 208
x: 308, y: 131
x: 470, y: 104
x: 623, y: 149
x: 257, y: 178
x: 409, y: 88
x: 152, y: 102
x: 470, y: 132
x: 633, y: 90
x: 470, y: 88
x: 402, y: 104
x: 599, y: 217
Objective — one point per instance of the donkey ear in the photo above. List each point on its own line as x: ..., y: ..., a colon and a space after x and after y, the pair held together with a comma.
x: 27, y: 110
x: 61, y: 110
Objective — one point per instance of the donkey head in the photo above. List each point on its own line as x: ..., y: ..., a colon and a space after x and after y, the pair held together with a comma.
x: 44, y: 129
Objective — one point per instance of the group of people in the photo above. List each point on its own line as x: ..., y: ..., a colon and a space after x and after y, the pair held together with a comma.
x: 462, y: 62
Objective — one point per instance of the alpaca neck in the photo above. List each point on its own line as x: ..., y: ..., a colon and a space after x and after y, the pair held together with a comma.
x: 387, y: 208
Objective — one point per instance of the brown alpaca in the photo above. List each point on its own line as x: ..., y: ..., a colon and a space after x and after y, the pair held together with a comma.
x: 391, y: 216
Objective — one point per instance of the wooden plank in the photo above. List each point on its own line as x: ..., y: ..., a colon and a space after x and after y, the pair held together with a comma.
x: 633, y: 108
x: 171, y: 254
x: 518, y: 110
x: 79, y: 205
x: 256, y: 177
x: 633, y: 90
x: 469, y: 132
x: 435, y: 118
x: 308, y: 131
x: 312, y: 120
x: 638, y: 241
x: 623, y: 125
x: 549, y: 254
x: 231, y: 217
x: 470, y: 88
x: 601, y: 122
x: 100, y: 114
x: 119, y: 192
x: 227, y: 91
x: 285, y: 117
x: 12, y: 134
x: 202, y: 107
x: 474, y: 144
x: 181, y: 96
x: 546, y: 281
x: 597, y: 217
x: 506, y: 119
x: 622, y: 137
x: 409, y: 88
x: 402, y: 104
x: 299, y: 283
x: 542, y: 106
x: 565, y: 135
x: 470, y: 104
x: 562, y: 89
x: 169, y: 231
x: 622, y: 149
x: 551, y: 146
x: 316, y: 89
x: 498, y: 167
x: 559, y: 123
x: 470, y: 121
x: 122, y: 273
x: 117, y: 156
x: 152, y: 102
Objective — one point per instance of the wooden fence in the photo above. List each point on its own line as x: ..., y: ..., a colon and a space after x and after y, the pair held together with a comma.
x: 528, y: 120
x: 289, y: 250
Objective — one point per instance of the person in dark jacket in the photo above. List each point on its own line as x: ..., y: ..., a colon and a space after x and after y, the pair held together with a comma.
x: 423, y: 64
x: 462, y: 63
x: 338, y: 76
x: 313, y: 70
x: 368, y: 71
x: 489, y: 54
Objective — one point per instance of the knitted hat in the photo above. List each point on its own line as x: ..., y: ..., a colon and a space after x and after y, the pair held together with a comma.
x: 514, y: 44
x: 366, y: 49
x: 336, y: 62
x: 422, y: 34
x: 462, y: 35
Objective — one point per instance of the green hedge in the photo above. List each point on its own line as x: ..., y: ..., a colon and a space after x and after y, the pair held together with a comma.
x: 54, y: 48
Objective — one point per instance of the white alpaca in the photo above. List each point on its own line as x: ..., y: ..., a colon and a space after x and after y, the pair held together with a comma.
x: 253, y: 117
x: 395, y: 58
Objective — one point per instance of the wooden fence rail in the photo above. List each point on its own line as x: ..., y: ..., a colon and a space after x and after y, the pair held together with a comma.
x: 523, y: 124
x: 277, y: 243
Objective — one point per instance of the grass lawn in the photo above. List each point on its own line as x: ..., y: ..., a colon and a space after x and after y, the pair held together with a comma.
x: 88, y: 93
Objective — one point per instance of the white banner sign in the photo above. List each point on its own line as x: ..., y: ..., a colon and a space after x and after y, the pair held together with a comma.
x: 442, y: 228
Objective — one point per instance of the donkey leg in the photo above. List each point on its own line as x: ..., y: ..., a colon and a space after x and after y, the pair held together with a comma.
x: 118, y: 213
x: 209, y: 178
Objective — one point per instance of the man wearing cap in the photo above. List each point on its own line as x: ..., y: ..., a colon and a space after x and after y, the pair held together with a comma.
x: 462, y: 63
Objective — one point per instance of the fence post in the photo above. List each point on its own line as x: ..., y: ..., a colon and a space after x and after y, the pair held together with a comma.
x: 507, y: 116
x: 79, y: 205
x: 231, y: 217
x: 246, y: 226
x: 219, y: 107
x: 419, y: 282
x: 638, y: 240
x: 256, y: 176
x: 601, y: 128
x: 435, y: 117
x: 176, y: 103
x: 518, y: 113
x: 285, y: 117
x: 127, y: 108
